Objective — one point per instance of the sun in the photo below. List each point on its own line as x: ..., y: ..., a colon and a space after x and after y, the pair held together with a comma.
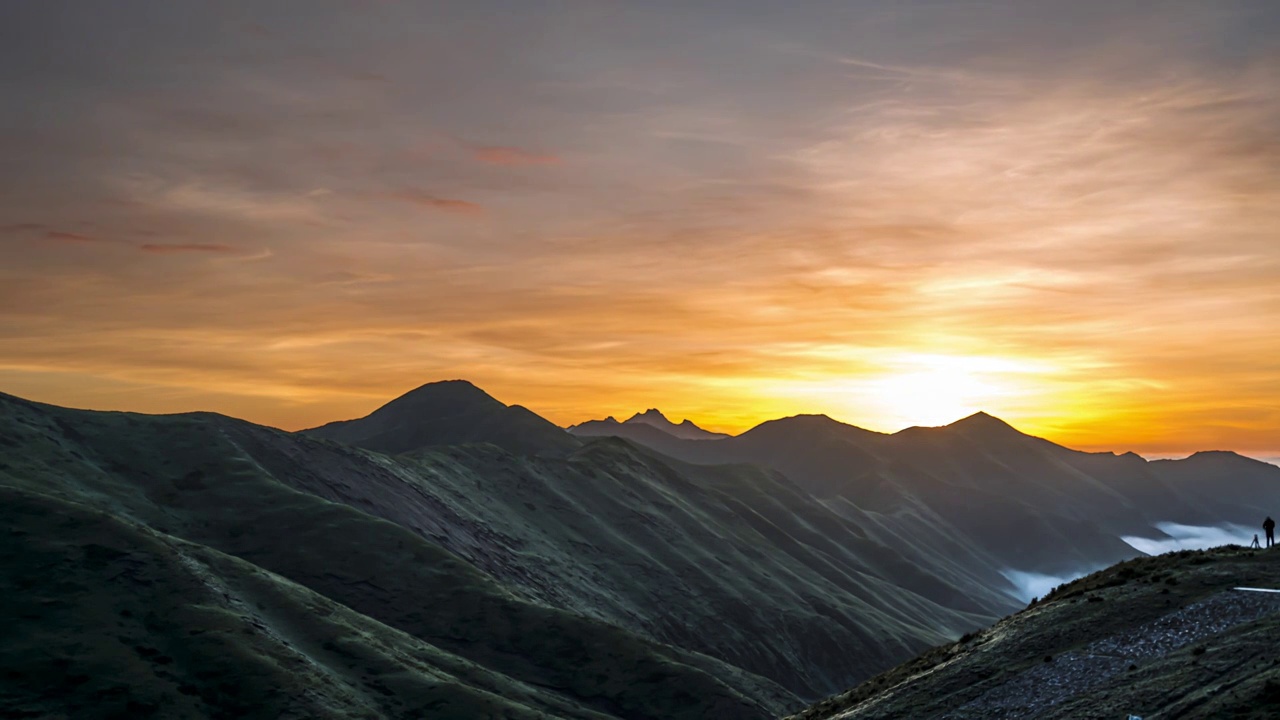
x: 935, y: 390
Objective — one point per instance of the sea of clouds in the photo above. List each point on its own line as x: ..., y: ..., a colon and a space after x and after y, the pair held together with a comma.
x: 1177, y: 536
x: 1171, y: 536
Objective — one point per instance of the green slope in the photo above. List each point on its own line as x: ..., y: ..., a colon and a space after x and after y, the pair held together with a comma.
x: 710, y: 559
x: 187, y: 477
x: 113, y: 619
x: 973, y: 499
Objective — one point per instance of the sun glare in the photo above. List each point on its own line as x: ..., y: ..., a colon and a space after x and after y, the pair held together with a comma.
x: 935, y: 390
x: 930, y: 397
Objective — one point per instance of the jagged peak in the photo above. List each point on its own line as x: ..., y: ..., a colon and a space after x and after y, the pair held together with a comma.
x: 649, y: 415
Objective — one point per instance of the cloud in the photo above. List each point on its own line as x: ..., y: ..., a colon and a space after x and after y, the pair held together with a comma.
x: 1190, y: 537
x: 16, y: 228
x: 1037, y: 585
x: 1088, y: 192
x: 175, y: 248
x: 60, y: 236
x: 427, y: 200
x: 500, y: 155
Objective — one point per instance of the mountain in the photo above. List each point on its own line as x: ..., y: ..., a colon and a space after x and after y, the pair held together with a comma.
x: 640, y: 427
x: 567, y: 583
x: 451, y: 553
x: 183, y: 561
x: 1167, y: 636
x: 686, y: 430
x: 980, y: 494
x: 449, y: 413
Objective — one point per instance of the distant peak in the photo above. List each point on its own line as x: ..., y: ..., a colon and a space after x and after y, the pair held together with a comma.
x: 685, y: 430
x: 981, y: 419
x: 648, y: 415
x: 810, y: 420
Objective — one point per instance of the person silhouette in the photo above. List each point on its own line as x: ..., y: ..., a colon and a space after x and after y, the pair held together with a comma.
x: 1255, y: 544
x: 1269, y: 525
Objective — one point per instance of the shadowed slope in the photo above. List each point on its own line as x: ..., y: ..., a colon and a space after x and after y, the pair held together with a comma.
x: 1167, y: 636
x: 448, y: 413
x: 116, y: 619
x: 977, y: 497
x: 189, y: 477
x: 712, y: 559
x: 734, y: 563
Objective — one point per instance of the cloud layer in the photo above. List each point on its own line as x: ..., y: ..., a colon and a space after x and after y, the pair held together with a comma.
x: 1063, y: 214
x: 1175, y: 536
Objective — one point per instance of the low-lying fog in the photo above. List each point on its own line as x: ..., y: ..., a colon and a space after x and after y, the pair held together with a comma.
x: 1169, y: 536
x: 1191, y: 537
x: 1037, y: 585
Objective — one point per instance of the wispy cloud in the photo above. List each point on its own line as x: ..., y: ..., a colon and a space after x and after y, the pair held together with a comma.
x: 500, y: 155
x: 177, y: 248
x: 1063, y: 214
x: 70, y: 237
x: 434, y: 202
x: 18, y: 228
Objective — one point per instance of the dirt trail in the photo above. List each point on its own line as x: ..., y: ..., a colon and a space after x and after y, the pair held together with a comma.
x: 1042, y: 687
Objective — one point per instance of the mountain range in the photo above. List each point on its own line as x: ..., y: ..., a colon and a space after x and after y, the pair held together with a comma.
x: 453, y: 553
x: 637, y: 426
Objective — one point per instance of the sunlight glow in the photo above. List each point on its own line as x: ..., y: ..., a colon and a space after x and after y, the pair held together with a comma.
x: 938, y: 389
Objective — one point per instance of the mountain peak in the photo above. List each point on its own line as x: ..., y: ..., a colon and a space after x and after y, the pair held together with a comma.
x: 446, y: 413
x: 649, y: 416
x: 807, y: 423
x: 981, y: 419
x: 685, y: 430
x: 452, y: 389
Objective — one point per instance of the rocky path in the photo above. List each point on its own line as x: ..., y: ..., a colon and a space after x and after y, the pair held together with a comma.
x: 1042, y: 687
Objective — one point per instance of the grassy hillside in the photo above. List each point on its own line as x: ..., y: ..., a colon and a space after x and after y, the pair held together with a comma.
x: 977, y: 498
x: 629, y: 584
x: 1159, y: 637
x: 710, y: 559
x: 186, y: 478
x: 113, y: 619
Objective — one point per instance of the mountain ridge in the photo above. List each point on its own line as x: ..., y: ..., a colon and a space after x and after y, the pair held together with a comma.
x: 757, y: 571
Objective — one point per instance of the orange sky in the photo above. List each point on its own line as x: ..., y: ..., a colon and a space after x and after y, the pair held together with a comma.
x: 893, y: 214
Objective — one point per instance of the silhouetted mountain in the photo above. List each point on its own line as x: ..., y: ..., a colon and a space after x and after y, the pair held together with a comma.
x: 492, y: 560
x: 982, y: 494
x: 459, y: 552
x: 642, y: 433
x: 641, y: 426
x: 449, y: 413
x: 1166, y: 636
x: 686, y: 430
x: 202, y: 565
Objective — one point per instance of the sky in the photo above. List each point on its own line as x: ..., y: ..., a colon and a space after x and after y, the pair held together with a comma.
x: 1066, y: 214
